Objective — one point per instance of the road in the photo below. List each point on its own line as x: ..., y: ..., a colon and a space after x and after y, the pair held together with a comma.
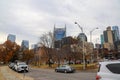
x: 50, y: 74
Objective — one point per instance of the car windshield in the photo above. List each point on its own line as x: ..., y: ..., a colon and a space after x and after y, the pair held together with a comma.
x: 22, y: 64
x: 114, y: 68
x: 65, y: 66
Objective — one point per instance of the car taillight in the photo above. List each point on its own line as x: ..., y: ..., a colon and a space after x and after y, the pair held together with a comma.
x: 98, y: 77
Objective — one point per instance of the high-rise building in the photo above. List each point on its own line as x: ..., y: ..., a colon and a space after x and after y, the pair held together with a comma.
x: 82, y: 37
x: 59, y: 33
x: 108, y: 35
x: 34, y: 46
x: 102, y: 39
x: 11, y: 37
x: 25, y: 44
x: 115, y: 32
x: 108, y: 38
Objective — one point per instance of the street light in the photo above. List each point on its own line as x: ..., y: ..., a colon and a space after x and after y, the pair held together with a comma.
x: 91, y: 40
x: 91, y: 33
x: 79, y: 26
x: 82, y: 46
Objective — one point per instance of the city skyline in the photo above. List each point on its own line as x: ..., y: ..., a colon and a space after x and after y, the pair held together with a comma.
x: 29, y: 19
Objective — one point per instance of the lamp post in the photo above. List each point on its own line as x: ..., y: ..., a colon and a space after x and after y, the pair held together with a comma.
x: 91, y: 41
x: 82, y: 46
x: 79, y: 26
x: 91, y: 33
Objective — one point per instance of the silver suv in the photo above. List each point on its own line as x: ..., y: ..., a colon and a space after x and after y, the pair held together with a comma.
x: 21, y: 66
x: 109, y: 70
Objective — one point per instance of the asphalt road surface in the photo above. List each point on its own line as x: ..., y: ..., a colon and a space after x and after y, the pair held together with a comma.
x: 50, y: 74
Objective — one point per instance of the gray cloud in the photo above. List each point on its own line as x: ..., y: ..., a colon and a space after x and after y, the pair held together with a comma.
x: 28, y: 19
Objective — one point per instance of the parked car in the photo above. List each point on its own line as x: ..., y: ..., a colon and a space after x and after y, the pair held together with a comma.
x: 21, y: 66
x: 11, y: 65
x: 70, y: 62
x: 78, y: 62
x: 65, y: 69
x: 108, y: 70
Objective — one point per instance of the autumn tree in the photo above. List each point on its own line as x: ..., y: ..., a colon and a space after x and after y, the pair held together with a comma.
x: 10, y: 49
x: 2, y: 53
x: 70, y: 49
x: 27, y: 55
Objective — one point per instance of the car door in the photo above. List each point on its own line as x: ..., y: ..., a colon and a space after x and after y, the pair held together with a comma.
x: 111, y: 72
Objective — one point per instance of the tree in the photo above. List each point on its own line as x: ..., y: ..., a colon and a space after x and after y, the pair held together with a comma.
x: 46, y: 41
x: 28, y: 55
x: 9, y: 49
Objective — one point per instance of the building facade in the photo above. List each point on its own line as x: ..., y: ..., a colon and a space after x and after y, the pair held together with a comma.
x: 108, y: 35
x: 25, y: 44
x: 11, y: 37
x: 116, y: 32
x: 82, y: 37
x: 102, y: 39
x: 108, y: 38
x: 59, y: 33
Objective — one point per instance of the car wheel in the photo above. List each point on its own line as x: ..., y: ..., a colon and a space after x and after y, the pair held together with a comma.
x: 56, y: 70
x: 65, y: 71
x: 17, y: 71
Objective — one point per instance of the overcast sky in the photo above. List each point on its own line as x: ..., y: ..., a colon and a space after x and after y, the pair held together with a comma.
x: 29, y: 19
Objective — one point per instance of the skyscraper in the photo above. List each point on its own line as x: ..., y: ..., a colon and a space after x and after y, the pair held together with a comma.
x: 59, y: 33
x: 102, y: 39
x: 115, y: 32
x: 108, y: 38
x: 11, y: 37
x: 25, y: 44
x: 82, y: 37
x: 108, y: 35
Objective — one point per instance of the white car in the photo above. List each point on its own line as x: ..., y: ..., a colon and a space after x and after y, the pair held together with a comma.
x: 21, y: 66
x: 109, y: 70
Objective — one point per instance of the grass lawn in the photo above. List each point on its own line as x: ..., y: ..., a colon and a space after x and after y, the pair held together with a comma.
x: 76, y: 66
x: 88, y: 66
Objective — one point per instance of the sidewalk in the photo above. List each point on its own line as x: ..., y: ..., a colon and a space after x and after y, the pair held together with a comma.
x: 8, y: 74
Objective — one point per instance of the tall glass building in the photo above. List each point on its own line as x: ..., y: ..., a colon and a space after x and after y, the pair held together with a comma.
x: 82, y: 37
x: 102, y: 39
x: 11, y: 37
x: 116, y: 32
x: 25, y: 44
x: 59, y: 33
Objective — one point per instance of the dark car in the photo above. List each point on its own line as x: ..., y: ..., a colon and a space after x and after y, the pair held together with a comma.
x: 65, y: 69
